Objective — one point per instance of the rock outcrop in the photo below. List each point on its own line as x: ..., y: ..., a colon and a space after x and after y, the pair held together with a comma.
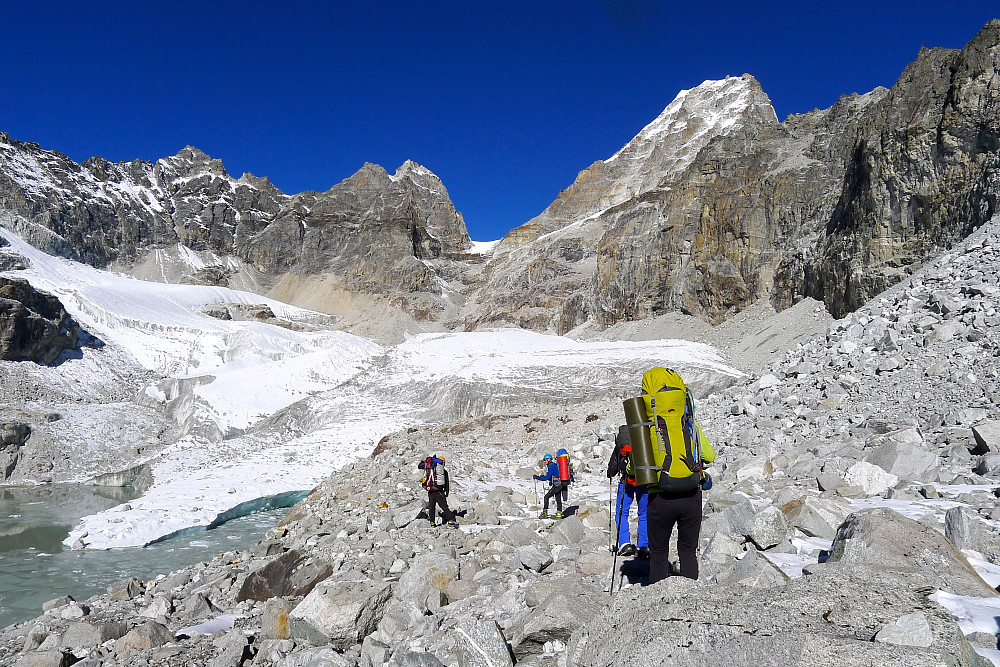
x: 34, y: 326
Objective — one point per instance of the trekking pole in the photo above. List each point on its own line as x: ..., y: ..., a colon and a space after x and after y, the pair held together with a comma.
x: 536, y: 493
x: 611, y: 513
x: 614, y: 561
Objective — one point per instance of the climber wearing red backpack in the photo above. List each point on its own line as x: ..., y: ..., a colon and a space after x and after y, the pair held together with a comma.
x: 435, y: 481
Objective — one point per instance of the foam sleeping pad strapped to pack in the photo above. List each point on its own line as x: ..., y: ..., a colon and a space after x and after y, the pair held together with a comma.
x: 646, y: 472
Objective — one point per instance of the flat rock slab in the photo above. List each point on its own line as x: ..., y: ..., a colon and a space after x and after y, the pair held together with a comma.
x: 827, y: 620
x: 908, y: 630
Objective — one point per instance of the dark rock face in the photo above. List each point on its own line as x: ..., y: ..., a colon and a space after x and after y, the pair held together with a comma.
x: 34, y: 326
x: 13, y: 435
x: 376, y: 232
x: 921, y: 174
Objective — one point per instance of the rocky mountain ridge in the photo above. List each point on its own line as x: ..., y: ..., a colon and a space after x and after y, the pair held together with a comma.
x: 374, y: 233
x: 713, y: 206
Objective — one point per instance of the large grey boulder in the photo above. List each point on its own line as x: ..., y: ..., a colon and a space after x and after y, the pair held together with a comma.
x: 734, y: 521
x: 88, y: 635
x: 398, y: 621
x: 232, y: 649
x: 885, y: 539
x: 753, y: 570
x: 147, y: 636
x: 274, y: 619
x: 905, y: 461
x: 817, y: 517
x: 374, y: 653
x: 340, y: 613
x: 571, y: 529
x: 571, y: 584
x: 987, y: 437
x: 481, y: 644
x: 518, y: 535
x: 823, y: 620
x: 769, y: 528
x: 407, y: 514
x: 533, y: 557
x: 965, y: 529
x: 555, y: 618
x: 873, y: 479
x: 427, y: 580
x: 45, y: 659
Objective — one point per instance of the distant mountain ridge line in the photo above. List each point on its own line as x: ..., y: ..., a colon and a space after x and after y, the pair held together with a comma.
x: 714, y: 205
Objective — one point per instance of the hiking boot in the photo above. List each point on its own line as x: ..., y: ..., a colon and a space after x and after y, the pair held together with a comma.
x: 544, y: 514
x: 453, y: 523
x: 558, y: 515
x: 643, y: 553
x: 627, y: 550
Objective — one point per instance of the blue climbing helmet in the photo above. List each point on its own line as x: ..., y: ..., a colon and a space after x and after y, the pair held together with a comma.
x: 547, y: 457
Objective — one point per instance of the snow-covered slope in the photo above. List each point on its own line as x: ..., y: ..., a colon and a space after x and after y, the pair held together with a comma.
x: 265, y: 410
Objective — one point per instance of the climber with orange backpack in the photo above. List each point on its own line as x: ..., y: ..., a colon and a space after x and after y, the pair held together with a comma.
x: 555, y: 486
x: 435, y: 482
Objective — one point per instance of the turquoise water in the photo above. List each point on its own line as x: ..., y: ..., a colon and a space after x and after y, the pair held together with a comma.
x: 35, y: 566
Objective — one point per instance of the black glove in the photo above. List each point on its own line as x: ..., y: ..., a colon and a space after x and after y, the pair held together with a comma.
x: 535, y: 477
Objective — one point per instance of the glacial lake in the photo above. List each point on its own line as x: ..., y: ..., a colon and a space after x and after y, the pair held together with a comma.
x: 35, y: 566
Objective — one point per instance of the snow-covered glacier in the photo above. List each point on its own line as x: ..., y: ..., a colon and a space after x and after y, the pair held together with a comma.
x: 264, y: 411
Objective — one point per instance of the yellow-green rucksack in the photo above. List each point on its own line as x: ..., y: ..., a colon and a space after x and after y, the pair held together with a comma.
x: 676, y: 439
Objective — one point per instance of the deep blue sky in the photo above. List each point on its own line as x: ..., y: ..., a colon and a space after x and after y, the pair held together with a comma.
x: 506, y: 102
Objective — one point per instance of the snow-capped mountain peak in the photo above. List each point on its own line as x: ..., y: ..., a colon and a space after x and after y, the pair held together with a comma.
x: 690, y: 121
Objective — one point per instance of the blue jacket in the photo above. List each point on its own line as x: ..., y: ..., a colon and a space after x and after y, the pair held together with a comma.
x: 552, y: 474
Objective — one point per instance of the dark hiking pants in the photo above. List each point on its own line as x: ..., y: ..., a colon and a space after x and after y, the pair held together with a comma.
x: 555, y: 491
x: 438, y: 498
x: 662, y: 512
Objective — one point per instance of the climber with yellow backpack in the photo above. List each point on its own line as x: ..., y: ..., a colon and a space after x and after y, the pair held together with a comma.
x: 669, y: 453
